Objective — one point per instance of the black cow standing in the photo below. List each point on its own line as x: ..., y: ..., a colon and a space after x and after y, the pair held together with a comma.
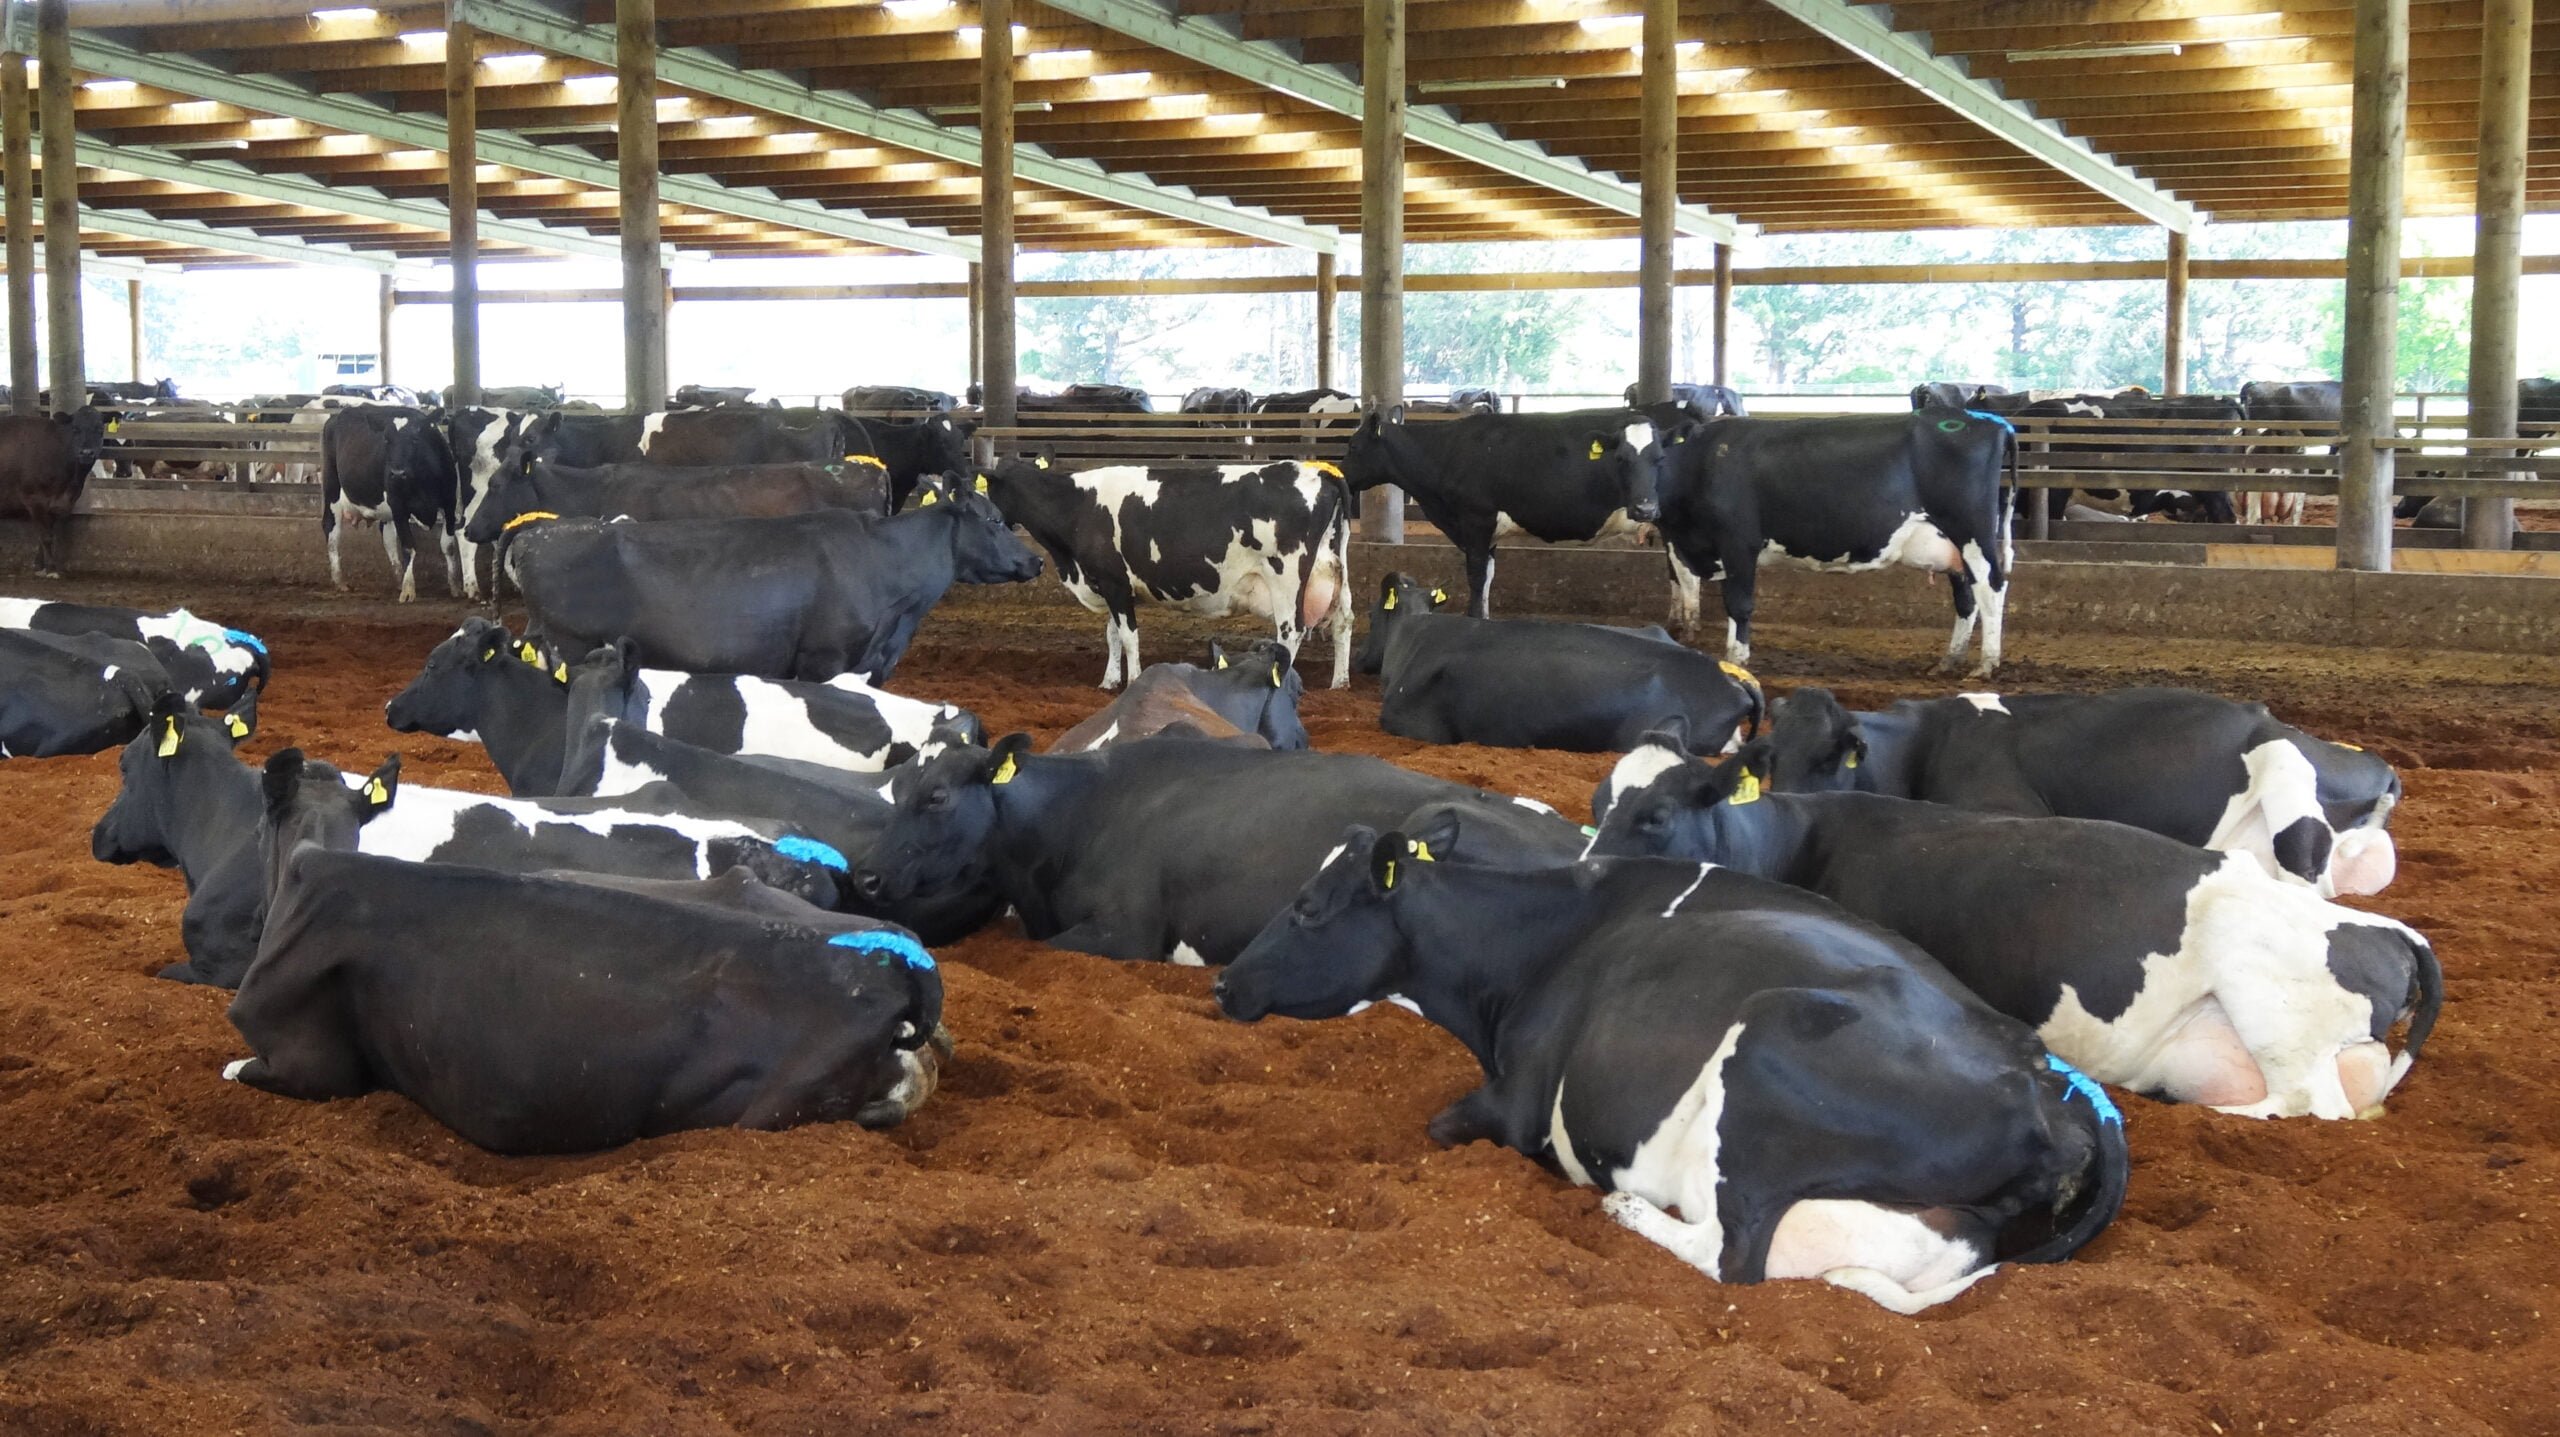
x: 1217, y: 401
x: 393, y: 467
x: 1848, y: 495
x: 1562, y: 478
x: 1694, y: 401
x: 2287, y: 403
x: 44, y: 464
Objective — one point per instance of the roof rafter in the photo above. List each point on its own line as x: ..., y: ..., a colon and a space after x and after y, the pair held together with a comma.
x: 196, y: 236
x: 695, y: 70
x: 271, y: 95
x: 1267, y: 65
x: 1863, y: 32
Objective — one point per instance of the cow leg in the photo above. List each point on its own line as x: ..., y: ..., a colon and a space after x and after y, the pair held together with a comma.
x: 454, y: 573
x: 404, y: 558
x: 1111, y: 649
x: 1684, y: 593
x: 318, y: 1070
x: 1993, y: 595
x: 1340, y: 629
x: 1479, y: 559
x: 1696, y: 1244
x: 1960, y: 584
x: 1740, y: 594
x: 329, y: 527
x: 468, y: 555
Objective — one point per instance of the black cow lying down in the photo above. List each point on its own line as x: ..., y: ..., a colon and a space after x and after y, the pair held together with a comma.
x: 1170, y: 849
x: 207, y: 664
x: 66, y: 694
x: 807, y: 596
x: 1529, y: 683
x: 590, y: 1017
x: 2185, y: 975
x: 1813, y: 1097
x: 2200, y: 769
x: 1250, y: 697
x: 187, y: 803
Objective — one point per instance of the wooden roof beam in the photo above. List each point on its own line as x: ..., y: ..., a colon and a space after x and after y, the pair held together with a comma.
x: 531, y: 24
x: 180, y: 232
x: 1264, y: 64
x: 1909, y: 59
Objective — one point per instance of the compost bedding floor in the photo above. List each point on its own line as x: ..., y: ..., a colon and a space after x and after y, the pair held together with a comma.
x: 1125, y: 1213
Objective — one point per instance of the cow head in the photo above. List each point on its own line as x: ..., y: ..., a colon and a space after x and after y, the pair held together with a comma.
x: 307, y: 801
x: 1672, y: 804
x: 1338, y: 945
x: 1815, y: 745
x: 513, y: 490
x: 1376, y: 453
x: 532, y: 440
x: 1263, y: 674
x: 942, y: 819
x: 1633, y: 454
x: 946, y: 445
x: 984, y: 549
x: 1399, y: 597
x: 453, y: 695
x: 88, y: 427
x: 179, y: 755
x: 416, y: 456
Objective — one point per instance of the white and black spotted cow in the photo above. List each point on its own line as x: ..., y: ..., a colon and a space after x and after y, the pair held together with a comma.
x: 2203, y: 770
x: 1845, y: 495
x: 1562, y: 478
x: 1210, y: 539
x: 208, y: 665
x: 2186, y: 975
x: 390, y: 466
x: 1813, y: 1098
x: 477, y: 438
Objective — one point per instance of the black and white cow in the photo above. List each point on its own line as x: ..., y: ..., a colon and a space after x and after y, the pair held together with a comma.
x: 1307, y: 401
x: 479, y: 439
x: 1169, y: 849
x: 514, y: 697
x: 1695, y: 401
x: 544, y: 1015
x: 2288, y: 404
x: 207, y: 664
x: 2186, y: 975
x: 712, y: 396
x: 642, y: 835
x: 1218, y: 401
x: 187, y: 803
x: 1569, y: 477
x: 608, y: 758
x: 650, y: 491
x: 1846, y: 495
x: 1252, y: 695
x: 73, y: 693
x: 2206, y: 771
x: 390, y: 466
x: 895, y: 399
x: 1814, y: 1098
x: 1529, y: 683
x: 806, y: 596
x: 1210, y: 539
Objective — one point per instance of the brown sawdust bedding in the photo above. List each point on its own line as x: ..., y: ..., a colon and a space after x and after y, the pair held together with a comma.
x: 1124, y: 1213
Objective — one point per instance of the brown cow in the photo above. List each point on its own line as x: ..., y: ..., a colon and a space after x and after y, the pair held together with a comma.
x: 44, y: 464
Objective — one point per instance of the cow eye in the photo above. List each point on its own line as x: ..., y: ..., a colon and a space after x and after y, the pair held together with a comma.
x: 937, y: 800
x: 1653, y: 820
x: 1305, y: 911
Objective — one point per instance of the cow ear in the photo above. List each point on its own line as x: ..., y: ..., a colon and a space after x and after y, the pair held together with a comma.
x: 1439, y: 596
x: 1853, y: 749
x: 1395, y: 413
x: 1389, y: 855
x: 1004, y: 761
x: 172, y: 734
x: 1279, y: 671
x: 383, y: 786
x: 1672, y: 733
x: 1435, y: 840
x: 242, y: 720
x: 1387, y: 591
x: 1217, y: 655
x: 281, y: 779
x: 1745, y: 775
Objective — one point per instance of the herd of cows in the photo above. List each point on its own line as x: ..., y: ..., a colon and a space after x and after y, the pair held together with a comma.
x: 1815, y: 993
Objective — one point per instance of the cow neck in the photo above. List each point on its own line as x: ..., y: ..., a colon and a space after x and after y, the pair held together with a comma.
x: 214, y: 807
x: 1041, y: 816
x: 1776, y: 837
x: 1040, y: 505
x: 1477, y: 939
x: 525, y: 727
x: 1892, y: 754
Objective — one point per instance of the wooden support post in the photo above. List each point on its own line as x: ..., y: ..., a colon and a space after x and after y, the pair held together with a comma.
x: 977, y: 324
x: 133, y: 327
x: 1658, y: 173
x: 390, y: 300
x: 1382, y: 239
x: 2379, y: 136
x: 644, y: 286
x: 995, y: 207
x: 2497, y: 253
x: 1328, y: 281
x: 68, y: 372
x: 2173, y: 330
x: 1724, y: 311
x: 462, y: 202
x: 17, y: 136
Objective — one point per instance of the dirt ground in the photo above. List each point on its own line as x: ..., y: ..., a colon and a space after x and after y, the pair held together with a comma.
x: 1124, y: 1213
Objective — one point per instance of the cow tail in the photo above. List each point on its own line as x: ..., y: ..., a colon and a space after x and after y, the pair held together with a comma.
x: 2008, y: 497
x: 2109, y: 1171
x: 2430, y: 985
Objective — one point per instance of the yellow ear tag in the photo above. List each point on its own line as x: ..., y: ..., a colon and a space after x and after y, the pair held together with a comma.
x: 1222, y: 661
x: 561, y: 672
x: 1004, y: 771
x: 168, y: 740
x: 2351, y: 747
x: 982, y: 483
x: 1388, y: 879
x: 111, y: 425
x: 1420, y: 850
x: 232, y: 723
x: 1737, y: 672
x: 1597, y: 449
x: 1279, y: 674
x: 375, y: 791
x: 529, y: 654
x: 1852, y: 760
x: 1041, y: 463
x: 1747, y: 791
x: 930, y: 498
x: 1390, y: 601
x: 1439, y: 597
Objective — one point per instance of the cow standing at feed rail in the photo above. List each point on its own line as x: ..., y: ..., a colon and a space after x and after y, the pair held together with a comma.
x: 591, y: 1017
x: 750, y: 436
x: 806, y: 596
x: 510, y: 396
x: 846, y: 811
x: 712, y: 396
x: 1569, y: 477
x: 1170, y: 849
x: 1209, y: 539
x: 185, y: 802
x: 1076, y: 399
x: 44, y: 464
x: 2185, y: 975
x: 1218, y: 401
x: 2203, y: 415
x: 896, y: 399
x: 58, y: 696
x: 1250, y: 697
x: 207, y: 664
x: 2206, y: 771
x: 914, y: 451
x: 1926, y: 491
x: 1528, y: 683
x: 392, y: 467
x: 2287, y: 405
x: 1307, y: 401
x: 520, y: 699
x: 648, y: 491
x: 1813, y: 1097
x: 1699, y: 402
